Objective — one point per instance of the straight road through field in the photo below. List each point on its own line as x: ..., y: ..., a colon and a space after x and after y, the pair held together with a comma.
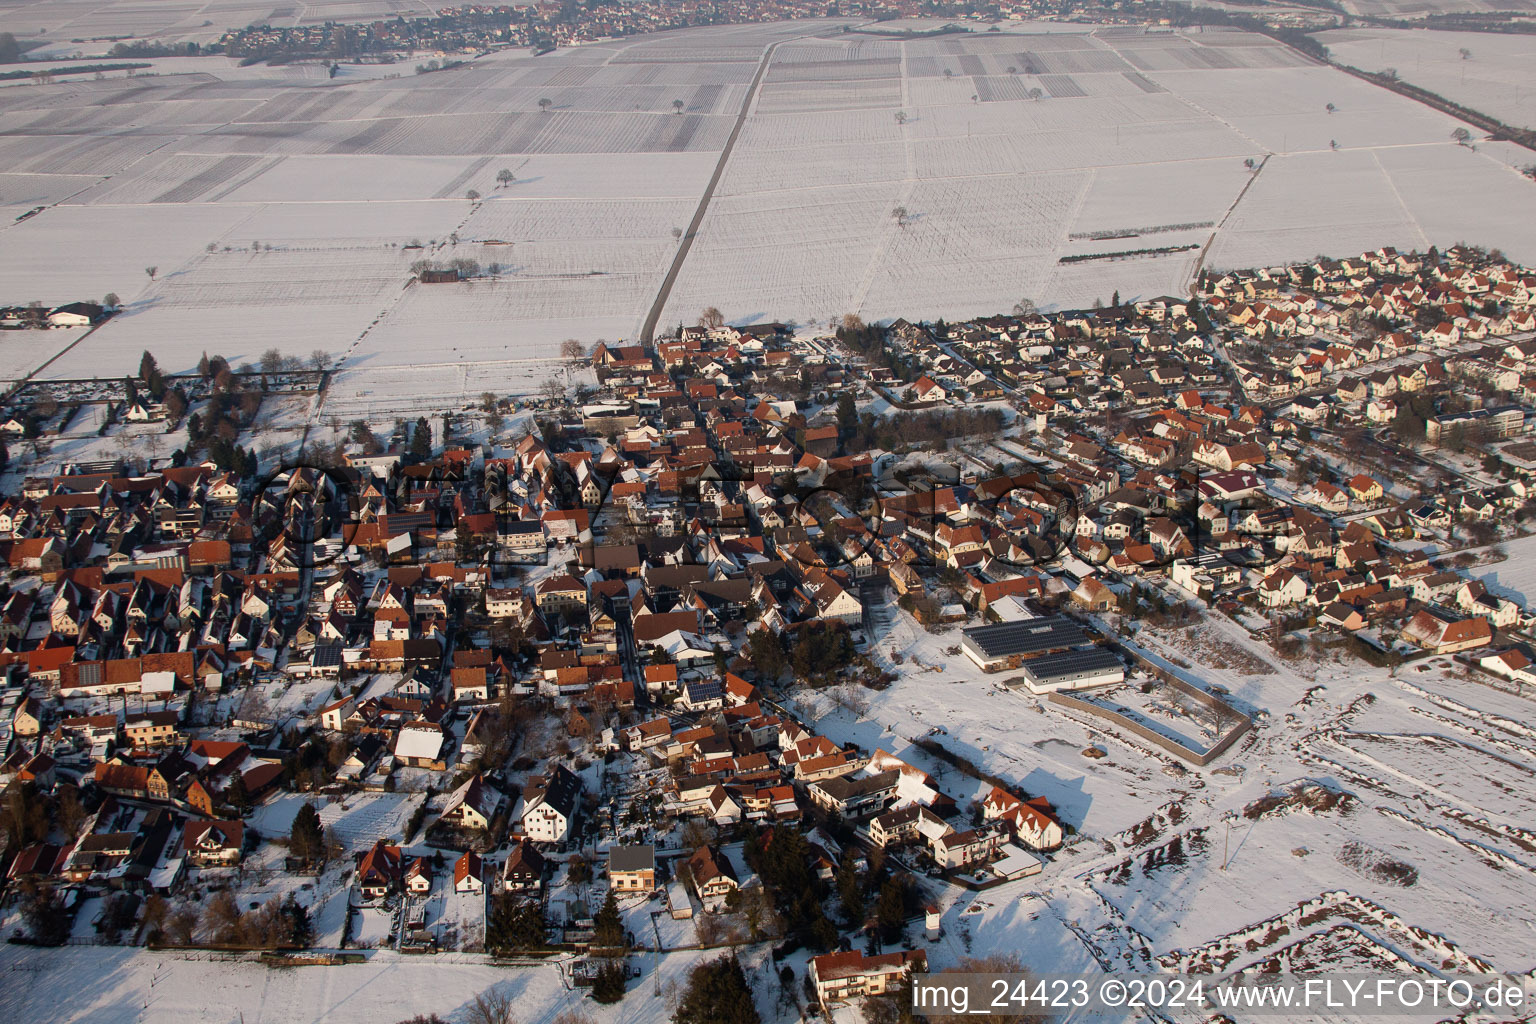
x: 649, y: 327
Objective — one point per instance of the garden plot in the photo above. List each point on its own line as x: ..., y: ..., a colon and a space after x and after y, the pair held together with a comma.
x: 322, y: 299
x: 456, y: 919
x: 280, y: 428
x: 356, y: 821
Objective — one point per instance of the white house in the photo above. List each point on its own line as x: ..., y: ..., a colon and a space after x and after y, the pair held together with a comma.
x: 469, y: 874
x: 550, y: 806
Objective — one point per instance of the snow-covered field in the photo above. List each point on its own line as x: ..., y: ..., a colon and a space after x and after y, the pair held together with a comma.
x: 90, y: 28
x: 1495, y: 76
x: 115, y: 985
x: 1515, y: 576
x: 1012, y: 149
x: 22, y: 352
x: 1400, y: 745
x: 1408, y: 9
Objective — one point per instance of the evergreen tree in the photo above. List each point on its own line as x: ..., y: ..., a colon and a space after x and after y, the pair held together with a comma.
x: 608, y: 928
x: 847, y: 415
x: 609, y: 984
x: 891, y: 909
x: 717, y: 994
x: 149, y: 373
x: 515, y: 924
x: 421, y: 439
x: 307, y: 839
x: 850, y: 889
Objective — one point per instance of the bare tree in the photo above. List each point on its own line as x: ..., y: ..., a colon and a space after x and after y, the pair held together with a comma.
x: 1024, y: 307
x: 711, y: 318
x: 181, y: 926
x: 677, y: 106
x: 319, y: 358
x: 151, y: 271
x: 473, y: 197
x: 505, y: 177
x: 221, y: 917
x: 901, y: 117
x: 545, y: 103
x: 491, y: 1007
x: 572, y: 349
x: 677, y: 233
x: 899, y: 214
x: 1461, y: 135
x: 1035, y: 94
x: 1466, y: 54
x: 552, y: 390
x: 1330, y: 108
x: 271, y: 361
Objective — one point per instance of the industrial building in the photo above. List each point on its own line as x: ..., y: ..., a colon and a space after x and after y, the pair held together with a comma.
x: 1005, y: 645
x: 1073, y: 670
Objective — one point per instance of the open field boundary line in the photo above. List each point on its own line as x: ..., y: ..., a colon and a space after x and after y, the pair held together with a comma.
x: 649, y: 327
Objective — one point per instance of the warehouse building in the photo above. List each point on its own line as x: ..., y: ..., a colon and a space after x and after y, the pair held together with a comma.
x: 1073, y: 670
x: 1005, y: 645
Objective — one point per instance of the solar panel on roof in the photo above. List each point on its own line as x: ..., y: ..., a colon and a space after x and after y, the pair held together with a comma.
x: 1070, y: 663
x: 1025, y: 636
